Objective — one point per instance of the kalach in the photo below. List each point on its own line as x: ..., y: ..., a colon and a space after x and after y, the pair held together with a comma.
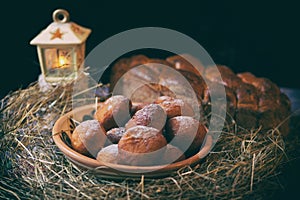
x: 252, y: 102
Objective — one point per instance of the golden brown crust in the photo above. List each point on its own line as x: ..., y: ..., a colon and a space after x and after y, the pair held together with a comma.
x: 141, y: 145
x: 114, y: 112
x: 138, y: 106
x: 247, y: 97
x: 144, y: 81
x: 185, y: 133
x: 247, y: 77
x: 269, y: 102
x: 158, y: 65
x: 267, y: 87
x: 139, y: 84
x: 223, y: 75
x: 260, y: 108
x: 138, y: 60
x: 231, y: 99
x: 174, y: 107
x: 197, y: 82
x: 151, y: 115
x: 267, y: 91
x: 117, y: 71
x: 231, y: 81
x: 180, y: 63
x: 146, y: 93
x: 123, y: 65
x: 88, y: 137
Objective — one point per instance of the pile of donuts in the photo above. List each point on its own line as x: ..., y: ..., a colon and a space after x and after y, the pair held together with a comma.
x: 140, y: 134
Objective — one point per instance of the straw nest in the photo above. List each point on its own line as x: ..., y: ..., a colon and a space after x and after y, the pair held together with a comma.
x: 243, y: 163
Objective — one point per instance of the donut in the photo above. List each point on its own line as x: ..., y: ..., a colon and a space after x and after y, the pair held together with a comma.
x: 141, y: 145
x: 114, y: 112
x: 186, y: 133
x: 88, y: 138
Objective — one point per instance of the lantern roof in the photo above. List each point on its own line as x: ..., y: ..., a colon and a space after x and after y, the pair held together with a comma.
x: 61, y: 31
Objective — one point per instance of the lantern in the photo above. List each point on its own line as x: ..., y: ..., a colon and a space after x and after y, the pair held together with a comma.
x: 61, y: 48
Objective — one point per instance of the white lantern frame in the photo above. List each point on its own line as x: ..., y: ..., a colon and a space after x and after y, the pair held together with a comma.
x: 61, y: 48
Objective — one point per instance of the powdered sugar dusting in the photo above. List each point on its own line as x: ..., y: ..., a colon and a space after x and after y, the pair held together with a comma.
x: 141, y: 132
x: 186, y: 122
x: 88, y: 128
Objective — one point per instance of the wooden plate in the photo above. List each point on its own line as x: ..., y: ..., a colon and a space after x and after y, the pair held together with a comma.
x: 115, y: 171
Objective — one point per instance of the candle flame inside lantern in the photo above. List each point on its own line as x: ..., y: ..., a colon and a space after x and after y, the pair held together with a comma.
x: 62, y: 62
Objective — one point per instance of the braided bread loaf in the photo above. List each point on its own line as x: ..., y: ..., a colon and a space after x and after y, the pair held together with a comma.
x: 251, y: 101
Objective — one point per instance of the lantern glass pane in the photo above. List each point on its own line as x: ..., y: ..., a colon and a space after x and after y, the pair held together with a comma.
x: 58, y: 62
x: 80, y: 51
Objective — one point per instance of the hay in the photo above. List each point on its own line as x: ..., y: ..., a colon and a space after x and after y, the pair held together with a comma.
x: 243, y: 163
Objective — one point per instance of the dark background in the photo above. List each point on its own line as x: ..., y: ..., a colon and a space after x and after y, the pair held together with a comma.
x: 258, y: 37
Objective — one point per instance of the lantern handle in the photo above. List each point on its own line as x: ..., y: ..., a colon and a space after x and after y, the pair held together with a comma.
x: 61, y: 12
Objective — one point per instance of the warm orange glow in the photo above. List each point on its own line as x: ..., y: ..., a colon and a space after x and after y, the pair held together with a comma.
x: 62, y: 61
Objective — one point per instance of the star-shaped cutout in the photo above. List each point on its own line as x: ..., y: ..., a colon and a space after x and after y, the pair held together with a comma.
x: 57, y: 34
